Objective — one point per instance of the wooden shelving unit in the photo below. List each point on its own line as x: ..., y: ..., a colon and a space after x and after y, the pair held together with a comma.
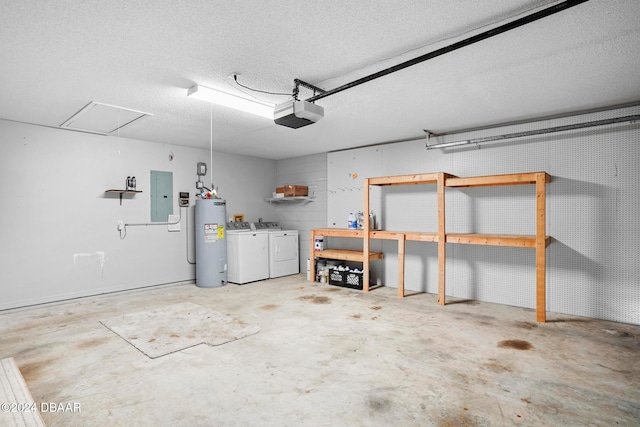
x: 437, y: 178
x: 538, y: 241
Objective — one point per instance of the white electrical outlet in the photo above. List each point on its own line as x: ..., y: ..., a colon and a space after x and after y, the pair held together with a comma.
x: 176, y: 226
x: 120, y: 225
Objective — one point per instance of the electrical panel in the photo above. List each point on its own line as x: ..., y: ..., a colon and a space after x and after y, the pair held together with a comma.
x: 161, y: 196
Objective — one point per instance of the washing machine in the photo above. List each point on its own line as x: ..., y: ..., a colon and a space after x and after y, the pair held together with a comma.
x: 283, y: 249
x: 247, y: 253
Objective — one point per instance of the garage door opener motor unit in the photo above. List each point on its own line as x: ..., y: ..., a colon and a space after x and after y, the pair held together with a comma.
x: 296, y: 113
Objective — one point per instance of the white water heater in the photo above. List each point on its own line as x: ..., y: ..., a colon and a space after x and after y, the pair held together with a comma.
x: 211, y: 243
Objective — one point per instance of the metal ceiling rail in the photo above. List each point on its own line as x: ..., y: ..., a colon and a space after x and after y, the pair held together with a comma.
x: 466, y: 42
x: 603, y: 122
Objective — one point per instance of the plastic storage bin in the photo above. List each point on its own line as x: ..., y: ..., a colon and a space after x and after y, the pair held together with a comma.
x: 345, y: 278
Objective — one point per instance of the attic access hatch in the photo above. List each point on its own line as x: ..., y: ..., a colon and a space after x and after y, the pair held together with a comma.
x: 103, y: 119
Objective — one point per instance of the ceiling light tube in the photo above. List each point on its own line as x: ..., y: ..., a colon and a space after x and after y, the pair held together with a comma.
x: 262, y: 109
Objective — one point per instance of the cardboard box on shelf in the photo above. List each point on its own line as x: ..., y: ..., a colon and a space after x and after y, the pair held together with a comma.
x: 295, y: 190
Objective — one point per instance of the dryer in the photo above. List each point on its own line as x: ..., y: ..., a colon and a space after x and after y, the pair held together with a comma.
x: 247, y: 253
x: 283, y: 249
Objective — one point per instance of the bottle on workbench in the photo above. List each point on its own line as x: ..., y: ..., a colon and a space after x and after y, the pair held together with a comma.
x: 360, y: 220
x: 352, y: 223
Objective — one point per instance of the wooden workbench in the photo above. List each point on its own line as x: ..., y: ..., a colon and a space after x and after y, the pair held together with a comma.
x: 538, y: 241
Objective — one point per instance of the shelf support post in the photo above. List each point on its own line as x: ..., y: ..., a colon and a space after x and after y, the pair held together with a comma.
x: 541, y: 255
x: 401, y: 246
x: 312, y: 257
x: 365, y: 239
x: 442, y: 244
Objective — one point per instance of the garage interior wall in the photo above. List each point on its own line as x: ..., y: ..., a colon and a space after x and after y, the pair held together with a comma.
x: 59, y: 237
x: 592, y: 215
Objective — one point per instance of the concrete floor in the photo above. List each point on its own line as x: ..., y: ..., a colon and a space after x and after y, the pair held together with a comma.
x: 328, y: 356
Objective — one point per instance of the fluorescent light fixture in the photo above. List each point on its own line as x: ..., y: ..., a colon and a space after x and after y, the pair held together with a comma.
x: 262, y: 109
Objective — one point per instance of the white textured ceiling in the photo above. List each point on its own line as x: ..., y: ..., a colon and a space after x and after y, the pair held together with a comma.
x: 56, y: 56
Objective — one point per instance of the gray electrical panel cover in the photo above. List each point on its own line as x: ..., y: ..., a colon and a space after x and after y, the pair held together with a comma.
x: 161, y: 196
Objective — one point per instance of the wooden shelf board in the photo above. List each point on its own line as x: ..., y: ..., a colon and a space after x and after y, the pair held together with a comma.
x: 419, y: 236
x: 496, y: 180
x: 423, y: 178
x: 385, y: 235
x: 346, y: 255
x: 124, y: 191
x: 350, y: 232
x: 338, y: 232
x: 514, y: 240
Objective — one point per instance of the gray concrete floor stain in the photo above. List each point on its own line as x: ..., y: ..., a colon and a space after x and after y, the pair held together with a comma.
x: 315, y: 299
x: 350, y: 359
x: 515, y: 344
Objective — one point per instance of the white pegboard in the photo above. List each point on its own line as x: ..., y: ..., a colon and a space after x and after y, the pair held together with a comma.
x: 592, y: 216
x: 346, y: 172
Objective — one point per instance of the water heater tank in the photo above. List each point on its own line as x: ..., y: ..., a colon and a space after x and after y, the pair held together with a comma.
x: 211, y: 243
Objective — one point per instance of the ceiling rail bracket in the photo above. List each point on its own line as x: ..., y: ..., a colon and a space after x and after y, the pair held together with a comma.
x: 296, y: 88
